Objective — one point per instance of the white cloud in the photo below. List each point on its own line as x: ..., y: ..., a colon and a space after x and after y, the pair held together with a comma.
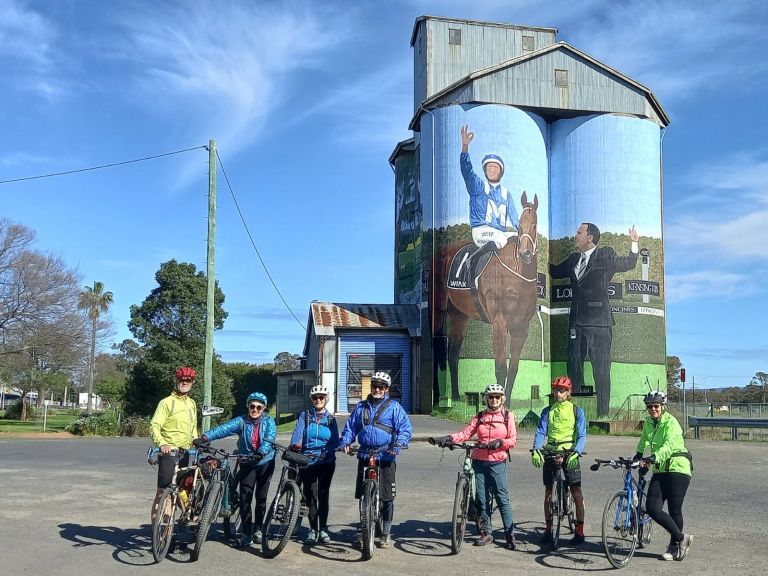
x: 709, y: 284
x: 227, y: 65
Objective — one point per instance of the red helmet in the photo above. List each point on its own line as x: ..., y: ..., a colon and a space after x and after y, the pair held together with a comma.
x: 185, y: 372
x: 562, y: 382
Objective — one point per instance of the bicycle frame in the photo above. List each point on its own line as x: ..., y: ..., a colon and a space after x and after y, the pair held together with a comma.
x: 370, y: 501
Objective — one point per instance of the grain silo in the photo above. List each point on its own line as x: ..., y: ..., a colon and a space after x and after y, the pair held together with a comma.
x: 529, y: 220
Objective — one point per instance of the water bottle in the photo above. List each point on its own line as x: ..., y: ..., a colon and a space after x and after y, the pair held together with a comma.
x: 183, y: 498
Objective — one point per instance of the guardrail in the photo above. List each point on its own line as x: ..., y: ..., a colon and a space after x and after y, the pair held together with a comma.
x: 733, y: 423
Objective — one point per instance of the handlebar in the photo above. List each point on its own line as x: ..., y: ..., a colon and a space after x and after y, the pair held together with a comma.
x: 620, y: 462
x: 462, y: 445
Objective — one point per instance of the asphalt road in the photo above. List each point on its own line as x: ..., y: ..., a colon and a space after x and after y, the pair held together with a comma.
x: 81, y: 506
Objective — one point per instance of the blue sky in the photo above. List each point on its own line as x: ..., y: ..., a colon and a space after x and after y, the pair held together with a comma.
x: 306, y: 100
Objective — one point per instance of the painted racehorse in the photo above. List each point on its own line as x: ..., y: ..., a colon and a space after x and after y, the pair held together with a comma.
x: 506, y: 293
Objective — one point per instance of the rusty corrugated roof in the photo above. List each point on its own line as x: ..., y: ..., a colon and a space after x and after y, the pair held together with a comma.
x: 328, y: 316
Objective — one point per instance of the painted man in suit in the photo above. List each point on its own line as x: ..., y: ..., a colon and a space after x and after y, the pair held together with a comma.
x: 590, y: 270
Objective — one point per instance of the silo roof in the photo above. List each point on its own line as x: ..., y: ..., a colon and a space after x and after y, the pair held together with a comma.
x: 563, y: 46
x: 327, y: 317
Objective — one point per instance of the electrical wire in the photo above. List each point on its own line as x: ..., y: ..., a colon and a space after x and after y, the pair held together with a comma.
x: 248, y: 232
x: 112, y: 165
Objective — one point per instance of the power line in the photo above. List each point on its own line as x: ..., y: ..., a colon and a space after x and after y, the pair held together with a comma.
x: 247, y: 231
x: 113, y: 164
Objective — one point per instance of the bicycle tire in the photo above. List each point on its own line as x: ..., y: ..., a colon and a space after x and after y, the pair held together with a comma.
x: 163, y: 525
x: 281, y: 519
x: 210, y: 511
x: 460, y: 511
x: 233, y: 524
x: 368, y: 518
x: 570, y: 507
x: 620, y: 524
x: 557, y: 510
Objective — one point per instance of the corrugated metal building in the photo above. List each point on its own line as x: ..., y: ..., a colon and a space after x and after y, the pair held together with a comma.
x: 520, y: 83
x: 346, y: 343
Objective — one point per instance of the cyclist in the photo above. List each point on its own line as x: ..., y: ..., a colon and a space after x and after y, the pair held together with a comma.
x: 673, y: 466
x: 495, y: 428
x: 173, y: 426
x: 378, y: 422
x: 256, y: 431
x: 562, y: 426
x: 317, y: 434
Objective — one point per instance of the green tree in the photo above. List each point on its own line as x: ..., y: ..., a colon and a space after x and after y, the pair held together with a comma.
x: 247, y: 378
x: 170, y: 324
x: 94, y: 300
x: 285, y: 361
x: 673, y: 377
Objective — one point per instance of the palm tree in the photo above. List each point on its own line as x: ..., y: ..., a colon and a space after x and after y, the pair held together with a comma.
x: 95, y: 301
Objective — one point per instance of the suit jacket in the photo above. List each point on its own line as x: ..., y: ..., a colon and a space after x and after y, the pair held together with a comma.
x: 589, y: 296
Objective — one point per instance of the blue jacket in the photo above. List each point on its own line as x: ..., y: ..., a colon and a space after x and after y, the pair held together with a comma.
x: 322, y: 435
x: 243, y: 427
x: 577, y: 433
x: 489, y: 205
x: 370, y: 436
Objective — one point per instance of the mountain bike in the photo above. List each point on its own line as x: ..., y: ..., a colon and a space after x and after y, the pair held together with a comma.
x: 626, y: 524
x: 561, y: 507
x: 284, y: 511
x: 181, y: 504
x: 465, y: 493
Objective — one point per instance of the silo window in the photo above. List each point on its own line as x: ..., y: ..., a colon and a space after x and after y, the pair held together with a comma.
x: 561, y: 77
x: 528, y: 44
x: 454, y: 36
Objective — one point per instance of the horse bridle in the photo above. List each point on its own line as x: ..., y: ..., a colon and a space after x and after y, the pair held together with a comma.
x: 517, y: 253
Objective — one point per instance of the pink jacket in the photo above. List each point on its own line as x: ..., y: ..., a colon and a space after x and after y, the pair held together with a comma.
x: 490, y: 426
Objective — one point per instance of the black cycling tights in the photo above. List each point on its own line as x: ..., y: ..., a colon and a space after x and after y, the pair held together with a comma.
x: 669, y: 487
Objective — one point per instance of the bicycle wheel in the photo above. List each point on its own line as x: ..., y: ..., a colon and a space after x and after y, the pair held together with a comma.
x: 460, y: 509
x: 163, y: 525
x: 558, y: 501
x: 281, y: 519
x: 570, y: 510
x: 210, y: 511
x: 620, y: 524
x: 368, y: 517
x: 646, y: 529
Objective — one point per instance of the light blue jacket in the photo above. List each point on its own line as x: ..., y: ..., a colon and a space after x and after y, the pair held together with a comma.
x: 320, y: 437
x: 243, y: 426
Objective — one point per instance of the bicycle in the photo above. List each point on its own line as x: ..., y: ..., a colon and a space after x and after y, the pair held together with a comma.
x: 464, y: 495
x: 287, y: 505
x: 561, y: 506
x: 188, y: 502
x: 626, y: 524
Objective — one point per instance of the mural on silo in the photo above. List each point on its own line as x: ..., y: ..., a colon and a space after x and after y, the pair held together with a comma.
x: 490, y: 249
x: 606, y: 257
x: 517, y: 201
x: 408, y: 237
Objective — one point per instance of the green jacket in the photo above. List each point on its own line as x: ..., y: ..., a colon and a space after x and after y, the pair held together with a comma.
x: 665, y: 438
x: 174, y: 422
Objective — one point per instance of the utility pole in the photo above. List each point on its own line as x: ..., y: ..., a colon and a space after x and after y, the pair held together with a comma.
x: 211, y: 286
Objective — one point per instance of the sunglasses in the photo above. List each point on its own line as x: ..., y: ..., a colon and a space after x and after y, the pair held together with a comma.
x: 556, y: 390
x: 255, y: 407
x: 316, y: 398
x: 186, y: 380
x: 654, y: 406
x: 494, y: 396
x: 378, y: 387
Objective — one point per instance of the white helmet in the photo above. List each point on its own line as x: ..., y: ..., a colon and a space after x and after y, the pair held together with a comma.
x: 382, y: 377
x: 494, y: 389
x: 655, y: 397
x: 318, y: 389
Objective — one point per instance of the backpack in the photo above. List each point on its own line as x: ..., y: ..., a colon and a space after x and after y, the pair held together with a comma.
x: 377, y: 416
x: 506, y: 414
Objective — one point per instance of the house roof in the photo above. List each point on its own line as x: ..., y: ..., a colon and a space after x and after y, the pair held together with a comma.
x: 327, y: 317
x: 564, y: 46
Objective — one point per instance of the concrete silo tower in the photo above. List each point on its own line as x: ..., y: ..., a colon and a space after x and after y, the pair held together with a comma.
x: 529, y: 219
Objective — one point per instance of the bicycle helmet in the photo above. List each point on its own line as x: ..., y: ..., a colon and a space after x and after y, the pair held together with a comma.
x: 494, y: 389
x: 318, y: 389
x: 258, y: 397
x: 655, y: 397
x: 382, y: 377
x: 185, y: 372
x: 562, y: 382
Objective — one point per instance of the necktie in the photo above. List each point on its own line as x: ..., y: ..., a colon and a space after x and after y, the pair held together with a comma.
x: 581, y: 266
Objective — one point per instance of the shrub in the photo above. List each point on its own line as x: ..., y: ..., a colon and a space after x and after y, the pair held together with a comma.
x: 102, y: 424
x: 13, y: 412
x: 135, y: 426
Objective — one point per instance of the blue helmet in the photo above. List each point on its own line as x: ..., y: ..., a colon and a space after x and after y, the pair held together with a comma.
x: 258, y: 396
x: 494, y: 158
